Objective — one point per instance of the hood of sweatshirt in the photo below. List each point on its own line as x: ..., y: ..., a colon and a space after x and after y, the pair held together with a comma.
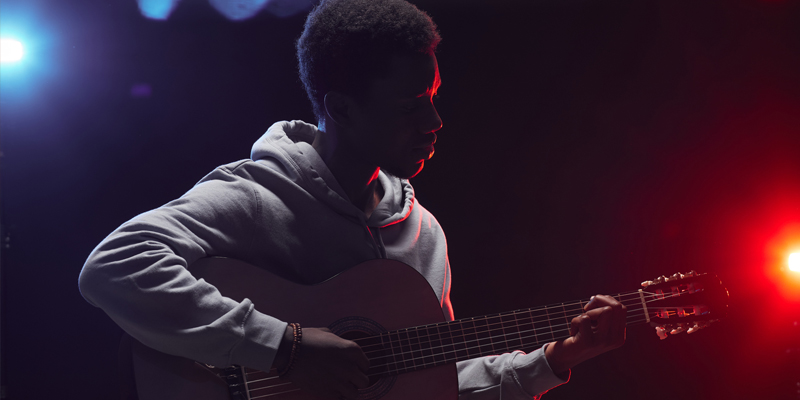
x: 286, y: 148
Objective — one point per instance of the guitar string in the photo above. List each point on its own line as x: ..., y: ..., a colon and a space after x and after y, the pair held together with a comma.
x: 424, y: 363
x: 516, y: 336
x: 459, y: 324
x: 632, y: 302
x: 636, y: 320
x: 400, y: 370
x: 531, y: 319
x: 264, y: 379
x: 266, y: 387
x: 456, y: 335
x: 519, y: 338
x: 273, y: 394
x: 455, y: 326
x: 561, y: 333
x: 524, y: 322
x: 469, y: 347
x: 459, y: 327
x: 632, y: 318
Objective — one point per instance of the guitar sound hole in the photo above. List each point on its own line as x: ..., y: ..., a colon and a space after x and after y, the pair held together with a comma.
x: 372, y: 347
x: 367, y: 334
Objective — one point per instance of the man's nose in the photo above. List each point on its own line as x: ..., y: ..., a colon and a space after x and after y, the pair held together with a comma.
x: 432, y: 121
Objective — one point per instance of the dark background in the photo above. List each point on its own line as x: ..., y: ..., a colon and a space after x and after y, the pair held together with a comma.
x: 587, y: 145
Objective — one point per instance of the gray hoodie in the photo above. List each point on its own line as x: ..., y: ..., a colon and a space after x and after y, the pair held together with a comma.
x: 281, y: 210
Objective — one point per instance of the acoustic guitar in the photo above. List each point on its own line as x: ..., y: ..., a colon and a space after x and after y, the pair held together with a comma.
x: 390, y: 310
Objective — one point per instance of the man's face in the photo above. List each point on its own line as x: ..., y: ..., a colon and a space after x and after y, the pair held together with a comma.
x: 394, y: 123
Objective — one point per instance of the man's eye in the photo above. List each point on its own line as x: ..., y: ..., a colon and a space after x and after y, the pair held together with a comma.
x: 409, y: 107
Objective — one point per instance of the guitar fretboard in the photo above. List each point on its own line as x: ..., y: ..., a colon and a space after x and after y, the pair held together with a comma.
x: 426, y: 346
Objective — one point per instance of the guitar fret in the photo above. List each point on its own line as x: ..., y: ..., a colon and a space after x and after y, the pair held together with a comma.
x: 485, y: 342
x: 419, y: 353
x: 400, y: 350
x: 408, y: 352
x: 566, y: 317
x: 533, y: 327
x: 468, y: 338
x: 502, y: 331
x: 549, y: 325
x: 644, y: 306
x: 434, y: 346
x: 440, y: 352
x: 447, y: 341
x: 514, y: 332
x: 440, y: 355
x: 392, y: 363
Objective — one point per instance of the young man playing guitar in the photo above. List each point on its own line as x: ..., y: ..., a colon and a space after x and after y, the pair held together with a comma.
x: 311, y: 202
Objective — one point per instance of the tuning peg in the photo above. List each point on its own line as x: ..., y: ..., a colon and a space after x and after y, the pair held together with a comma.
x: 699, y: 325
x: 681, y: 327
x: 660, y: 279
x: 661, y: 331
x: 674, y: 277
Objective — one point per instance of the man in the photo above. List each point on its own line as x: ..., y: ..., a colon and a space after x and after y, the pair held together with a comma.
x: 312, y: 202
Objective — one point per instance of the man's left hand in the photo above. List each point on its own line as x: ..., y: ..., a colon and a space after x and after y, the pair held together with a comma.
x: 599, y: 329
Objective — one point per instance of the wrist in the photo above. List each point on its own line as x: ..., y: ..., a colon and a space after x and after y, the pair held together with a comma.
x: 557, y: 359
x: 284, y: 350
x: 297, y: 337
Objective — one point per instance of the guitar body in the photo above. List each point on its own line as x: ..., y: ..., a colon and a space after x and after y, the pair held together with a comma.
x: 372, y: 297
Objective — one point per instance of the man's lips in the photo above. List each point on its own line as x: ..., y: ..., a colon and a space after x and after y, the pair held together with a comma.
x: 428, y: 144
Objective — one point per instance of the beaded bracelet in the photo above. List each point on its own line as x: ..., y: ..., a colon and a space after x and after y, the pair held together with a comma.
x: 297, y: 333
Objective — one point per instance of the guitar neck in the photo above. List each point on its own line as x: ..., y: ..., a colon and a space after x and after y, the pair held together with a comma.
x: 420, y: 347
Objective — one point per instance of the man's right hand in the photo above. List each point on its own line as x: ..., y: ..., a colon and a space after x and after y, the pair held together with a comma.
x: 326, y: 365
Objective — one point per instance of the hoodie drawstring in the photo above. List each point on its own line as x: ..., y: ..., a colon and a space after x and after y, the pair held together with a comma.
x: 377, y: 239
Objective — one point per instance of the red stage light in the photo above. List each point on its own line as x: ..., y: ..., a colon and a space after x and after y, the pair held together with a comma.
x: 783, y: 262
x: 794, y: 262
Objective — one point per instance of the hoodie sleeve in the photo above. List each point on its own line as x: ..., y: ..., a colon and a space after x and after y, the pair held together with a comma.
x: 512, y: 376
x: 138, y: 275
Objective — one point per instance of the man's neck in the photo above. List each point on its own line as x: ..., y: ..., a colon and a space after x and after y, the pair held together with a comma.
x: 358, y: 180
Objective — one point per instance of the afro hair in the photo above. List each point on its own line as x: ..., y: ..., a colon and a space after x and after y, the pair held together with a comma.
x: 347, y: 43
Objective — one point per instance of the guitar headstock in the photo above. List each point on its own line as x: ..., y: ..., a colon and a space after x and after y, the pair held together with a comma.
x: 684, y: 302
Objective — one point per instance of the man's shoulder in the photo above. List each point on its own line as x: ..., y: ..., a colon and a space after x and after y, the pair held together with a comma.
x: 245, y: 169
x: 427, y: 220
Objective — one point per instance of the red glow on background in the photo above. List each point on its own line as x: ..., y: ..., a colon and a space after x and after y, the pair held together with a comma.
x: 783, y: 262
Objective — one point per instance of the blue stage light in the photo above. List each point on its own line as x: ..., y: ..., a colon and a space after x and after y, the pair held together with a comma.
x: 11, y: 50
x: 157, y: 9
x: 238, y: 10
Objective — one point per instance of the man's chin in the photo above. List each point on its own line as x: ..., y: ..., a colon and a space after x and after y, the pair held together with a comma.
x: 407, y: 173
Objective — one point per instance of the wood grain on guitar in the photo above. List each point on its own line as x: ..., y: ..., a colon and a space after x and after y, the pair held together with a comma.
x: 390, y: 310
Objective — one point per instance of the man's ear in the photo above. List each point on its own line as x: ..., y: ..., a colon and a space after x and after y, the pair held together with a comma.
x: 339, y: 108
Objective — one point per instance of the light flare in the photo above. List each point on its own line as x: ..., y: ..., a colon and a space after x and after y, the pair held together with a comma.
x: 157, y: 9
x: 794, y: 262
x: 10, y: 50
